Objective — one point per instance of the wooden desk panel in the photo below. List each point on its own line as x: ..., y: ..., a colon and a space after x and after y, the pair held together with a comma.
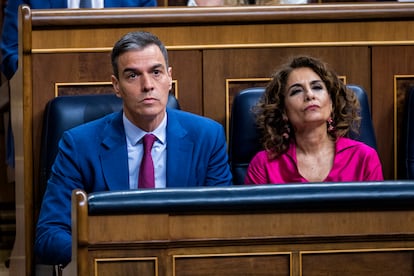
x: 266, y: 242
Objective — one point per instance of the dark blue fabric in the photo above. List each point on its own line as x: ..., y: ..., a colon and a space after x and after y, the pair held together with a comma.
x: 346, y: 196
x: 366, y: 130
x: 244, y: 137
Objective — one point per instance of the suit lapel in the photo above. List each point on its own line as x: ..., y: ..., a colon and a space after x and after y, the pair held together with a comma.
x: 114, y: 3
x: 114, y: 157
x: 58, y: 4
x: 179, y: 152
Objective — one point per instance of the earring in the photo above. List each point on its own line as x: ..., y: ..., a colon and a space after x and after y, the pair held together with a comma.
x: 330, y: 123
x: 286, y: 133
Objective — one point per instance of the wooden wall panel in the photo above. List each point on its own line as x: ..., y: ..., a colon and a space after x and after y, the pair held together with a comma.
x: 233, y: 264
x: 148, y: 260
x: 126, y: 266
x: 387, y: 68
x: 187, y: 70
x: 358, y: 263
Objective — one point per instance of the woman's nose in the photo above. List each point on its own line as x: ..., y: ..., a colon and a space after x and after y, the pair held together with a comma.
x: 309, y: 95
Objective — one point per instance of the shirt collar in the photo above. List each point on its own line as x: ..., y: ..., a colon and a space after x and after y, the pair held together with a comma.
x: 341, y: 144
x: 134, y: 134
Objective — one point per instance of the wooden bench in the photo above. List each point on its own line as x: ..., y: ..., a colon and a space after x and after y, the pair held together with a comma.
x: 353, y: 229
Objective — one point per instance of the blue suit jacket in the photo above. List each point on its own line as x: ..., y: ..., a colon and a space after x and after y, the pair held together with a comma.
x: 93, y: 157
x: 9, y: 38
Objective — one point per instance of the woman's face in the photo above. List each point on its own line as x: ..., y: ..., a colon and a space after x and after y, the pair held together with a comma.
x: 307, y: 101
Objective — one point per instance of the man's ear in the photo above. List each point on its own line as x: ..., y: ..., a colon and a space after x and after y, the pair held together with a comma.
x: 170, y: 75
x: 115, y: 85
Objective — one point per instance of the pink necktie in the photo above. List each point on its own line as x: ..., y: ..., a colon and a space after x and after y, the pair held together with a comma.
x: 146, y: 171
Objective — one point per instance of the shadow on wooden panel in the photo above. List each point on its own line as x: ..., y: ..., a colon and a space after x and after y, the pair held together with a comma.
x: 402, y: 85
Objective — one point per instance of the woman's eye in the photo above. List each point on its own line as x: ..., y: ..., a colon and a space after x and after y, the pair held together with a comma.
x: 317, y: 87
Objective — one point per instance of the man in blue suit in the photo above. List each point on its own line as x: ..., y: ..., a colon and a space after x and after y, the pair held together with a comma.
x: 105, y: 154
x: 9, y: 39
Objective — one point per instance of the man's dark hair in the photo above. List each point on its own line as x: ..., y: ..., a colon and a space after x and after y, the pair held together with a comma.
x: 135, y: 41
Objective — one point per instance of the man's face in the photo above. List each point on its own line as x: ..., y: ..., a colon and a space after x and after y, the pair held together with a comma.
x: 144, y: 83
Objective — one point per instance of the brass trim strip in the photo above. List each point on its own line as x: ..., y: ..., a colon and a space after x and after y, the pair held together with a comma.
x: 361, y: 250
x: 92, y: 83
x: 97, y: 83
x: 235, y: 46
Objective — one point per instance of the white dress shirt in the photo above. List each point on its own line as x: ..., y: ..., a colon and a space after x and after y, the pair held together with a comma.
x: 96, y: 4
x: 135, y: 149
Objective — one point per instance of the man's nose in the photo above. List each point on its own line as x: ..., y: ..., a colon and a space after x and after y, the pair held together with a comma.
x: 147, y: 84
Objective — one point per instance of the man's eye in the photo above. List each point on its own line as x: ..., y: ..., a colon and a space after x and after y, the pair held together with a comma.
x: 132, y: 76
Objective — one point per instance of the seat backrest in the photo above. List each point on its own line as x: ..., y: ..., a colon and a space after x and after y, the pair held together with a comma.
x: 65, y: 112
x: 244, y: 137
x: 366, y: 129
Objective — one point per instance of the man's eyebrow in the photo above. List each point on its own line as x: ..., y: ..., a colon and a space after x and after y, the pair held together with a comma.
x: 129, y: 70
x: 133, y: 69
x: 157, y: 66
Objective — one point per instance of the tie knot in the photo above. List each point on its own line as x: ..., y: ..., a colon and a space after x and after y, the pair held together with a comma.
x: 149, y: 140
